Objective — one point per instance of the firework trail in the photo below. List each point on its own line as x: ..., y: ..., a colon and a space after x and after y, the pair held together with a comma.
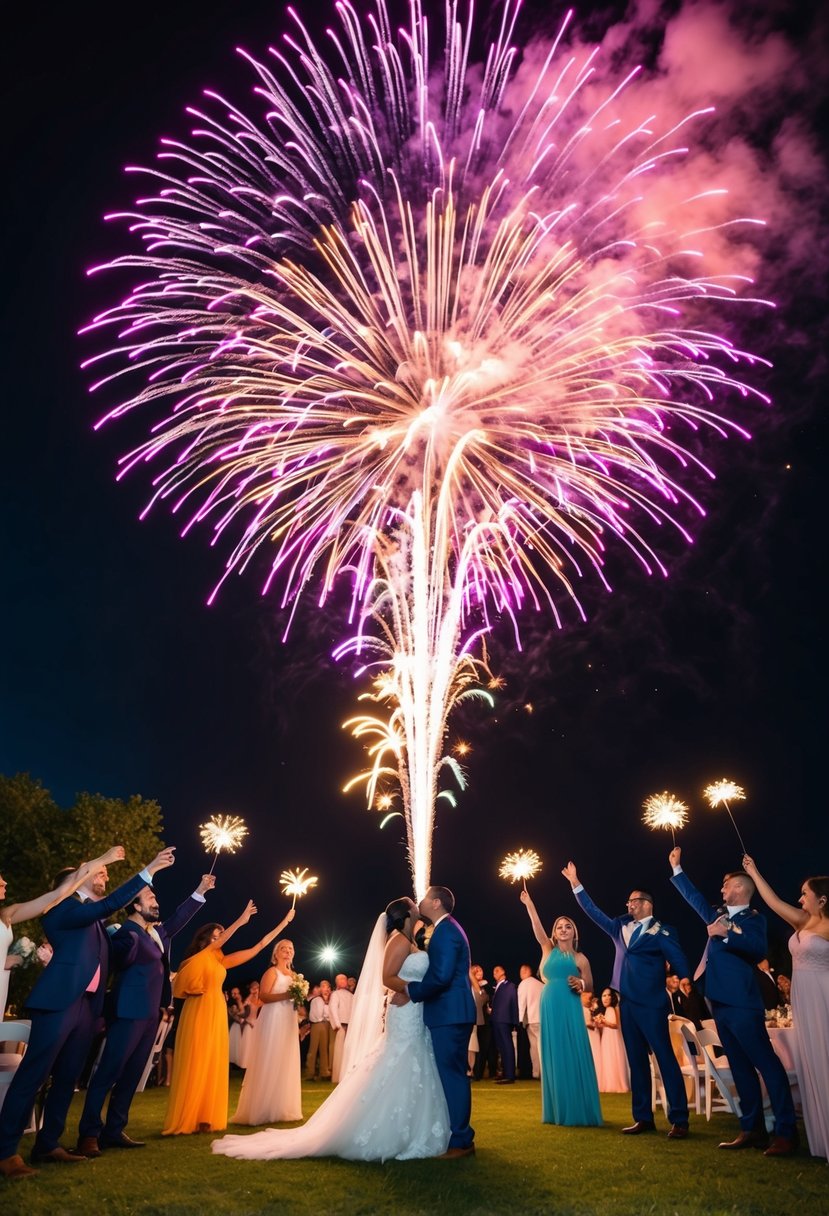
x: 443, y: 329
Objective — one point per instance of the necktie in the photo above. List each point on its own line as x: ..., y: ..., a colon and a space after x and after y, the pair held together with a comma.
x: 635, y: 935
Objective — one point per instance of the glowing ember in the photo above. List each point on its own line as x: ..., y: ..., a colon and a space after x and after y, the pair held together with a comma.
x: 294, y: 882
x: 520, y: 866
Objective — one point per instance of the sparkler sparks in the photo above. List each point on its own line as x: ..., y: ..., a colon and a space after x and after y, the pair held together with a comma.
x: 294, y: 882
x: 520, y: 866
x: 222, y: 834
x: 721, y: 793
x: 423, y: 326
x: 665, y: 811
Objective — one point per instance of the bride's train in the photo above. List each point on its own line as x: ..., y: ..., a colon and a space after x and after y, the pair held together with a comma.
x: 390, y: 1105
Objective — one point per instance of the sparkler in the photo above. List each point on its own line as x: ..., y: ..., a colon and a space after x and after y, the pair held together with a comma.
x: 429, y: 328
x: 520, y: 866
x: 665, y: 811
x: 721, y: 793
x: 222, y: 834
x: 294, y: 882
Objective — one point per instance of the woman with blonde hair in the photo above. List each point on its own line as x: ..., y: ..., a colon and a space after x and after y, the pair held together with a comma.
x: 569, y: 1089
x: 272, y: 1088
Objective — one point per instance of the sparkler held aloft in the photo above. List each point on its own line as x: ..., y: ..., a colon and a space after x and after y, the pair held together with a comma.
x: 520, y: 866
x: 721, y: 793
x: 222, y: 833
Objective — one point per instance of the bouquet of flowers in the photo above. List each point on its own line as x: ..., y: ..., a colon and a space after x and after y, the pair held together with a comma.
x: 26, y: 950
x: 298, y: 989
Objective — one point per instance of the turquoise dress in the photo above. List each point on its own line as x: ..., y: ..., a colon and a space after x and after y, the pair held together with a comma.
x: 569, y: 1090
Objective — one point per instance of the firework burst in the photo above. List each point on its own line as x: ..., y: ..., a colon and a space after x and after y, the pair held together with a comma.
x: 423, y: 325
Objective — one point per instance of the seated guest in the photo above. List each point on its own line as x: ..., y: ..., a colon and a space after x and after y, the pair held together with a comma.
x: 695, y: 1006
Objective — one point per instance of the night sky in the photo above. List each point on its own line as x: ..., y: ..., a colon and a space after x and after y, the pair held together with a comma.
x: 116, y: 678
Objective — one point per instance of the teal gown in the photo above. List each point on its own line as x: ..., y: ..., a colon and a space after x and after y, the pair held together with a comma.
x: 569, y: 1090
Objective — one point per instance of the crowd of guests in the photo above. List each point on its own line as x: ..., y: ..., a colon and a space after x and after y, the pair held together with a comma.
x: 555, y: 1025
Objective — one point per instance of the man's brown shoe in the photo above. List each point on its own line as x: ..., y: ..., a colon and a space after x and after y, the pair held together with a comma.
x: 88, y: 1146
x: 452, y: 1154
x: 57, y: 1156
x: 747, y: 1140
x: 15, y: 1167
x: 679, y: 1131
x: 640, y: 1126
x: 782, y: 1146
x: 122, y: 1140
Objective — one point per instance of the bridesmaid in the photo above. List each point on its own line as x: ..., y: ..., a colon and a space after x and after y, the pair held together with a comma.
x: 569, y: 1090
x: 809, y: 946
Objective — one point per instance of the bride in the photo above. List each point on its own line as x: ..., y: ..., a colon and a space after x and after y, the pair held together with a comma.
x: 390, y: 1102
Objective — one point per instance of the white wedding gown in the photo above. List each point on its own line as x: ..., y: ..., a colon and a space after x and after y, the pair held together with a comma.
x: 390, y: 1105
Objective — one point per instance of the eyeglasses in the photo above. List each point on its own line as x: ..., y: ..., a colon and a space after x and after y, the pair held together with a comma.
x: 638, y: 900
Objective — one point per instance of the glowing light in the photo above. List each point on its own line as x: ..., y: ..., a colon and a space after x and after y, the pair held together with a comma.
x: 721, y: 793
x: 222, y: 834
x: 462, y: 748
x: 520, y: 866
x: 327, y: 956
x: 294, y: 882
x: 431, y: 328
x: 665, y: 811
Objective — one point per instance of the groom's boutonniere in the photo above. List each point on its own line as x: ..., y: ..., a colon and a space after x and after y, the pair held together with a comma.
x: 654, y: 929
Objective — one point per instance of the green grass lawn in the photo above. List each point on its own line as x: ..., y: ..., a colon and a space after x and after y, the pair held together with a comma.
x: 521, y: 1166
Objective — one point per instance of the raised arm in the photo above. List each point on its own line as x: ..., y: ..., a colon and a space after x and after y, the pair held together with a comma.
x: 243, y: 956
x: 793, y: 916
x: 13, y: 914
x: 535, y: 920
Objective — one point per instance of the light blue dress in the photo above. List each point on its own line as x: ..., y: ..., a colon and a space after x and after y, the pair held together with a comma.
x: 569, y: 1090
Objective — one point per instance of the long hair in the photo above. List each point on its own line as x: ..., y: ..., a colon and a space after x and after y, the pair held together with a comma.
x: 819, y: 885
x: 570, y: 921
x: 397, y: 913
x: 201, y: 940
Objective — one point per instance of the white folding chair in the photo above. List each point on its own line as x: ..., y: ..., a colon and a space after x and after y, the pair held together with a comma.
x: 164, y: 1027
x: 658, y: 1095
x: 719, y: 1076
x: 694, y: 1066
x: 13, y: 1032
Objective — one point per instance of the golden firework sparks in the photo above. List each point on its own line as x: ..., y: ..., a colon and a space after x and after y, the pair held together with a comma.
x: 665, y: 810
x: 222, y: 834
x: 294, y: 882
x: 519, y: 866
x: 721, y: 793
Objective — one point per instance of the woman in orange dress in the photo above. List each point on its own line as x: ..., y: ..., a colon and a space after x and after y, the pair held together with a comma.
x: 199, y: 1089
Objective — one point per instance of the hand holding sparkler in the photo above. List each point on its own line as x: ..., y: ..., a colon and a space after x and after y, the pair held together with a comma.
x: 721, y: 793
x: 675, y: 856
x: 294, y: 882
x: 222, y: 833
x: 520, y: 866
x: 162, y: 860
x: 664, y: 811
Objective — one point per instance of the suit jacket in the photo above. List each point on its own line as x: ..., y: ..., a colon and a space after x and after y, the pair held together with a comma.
x: 81, y: 945
x: 142, y: 972
x: 445, y: 989
x: 639, y: 971
x: 505, y: 1004
x: 730, y: 961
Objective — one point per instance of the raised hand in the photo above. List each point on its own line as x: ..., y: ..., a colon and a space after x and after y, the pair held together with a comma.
x: 749, y: 866
x: 208, y: 882
x: 674, y: 855
x: 164, y: 859
x: 524, y: 896
x: 116, y: 853
x: 571, y: 874
x: 289, y: 915
x: 249, y: 911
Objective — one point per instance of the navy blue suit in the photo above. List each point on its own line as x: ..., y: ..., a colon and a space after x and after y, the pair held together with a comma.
x: 64, y: 1015
x: 639, y: 976
x: 732, y: 988
x: 449, y: 1012
x: 504, y: 1019
x: 141, y: 989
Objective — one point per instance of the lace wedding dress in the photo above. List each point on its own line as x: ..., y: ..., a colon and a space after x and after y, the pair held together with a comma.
x: 390, y: 1105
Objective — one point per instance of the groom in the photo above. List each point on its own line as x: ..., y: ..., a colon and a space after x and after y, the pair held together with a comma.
x: 449, y: 1012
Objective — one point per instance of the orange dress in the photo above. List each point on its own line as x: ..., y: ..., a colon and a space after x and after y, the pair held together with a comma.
x: 199, y: 1086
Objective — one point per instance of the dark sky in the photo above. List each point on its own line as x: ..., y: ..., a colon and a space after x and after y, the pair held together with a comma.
x: 116, y: 677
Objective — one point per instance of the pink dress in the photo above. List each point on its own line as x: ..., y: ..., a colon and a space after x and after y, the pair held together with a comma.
x: 614, y: 1076
x: 810, y: 1015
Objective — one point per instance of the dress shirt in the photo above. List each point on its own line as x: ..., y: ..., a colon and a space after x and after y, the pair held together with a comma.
x: 339, y: 1008
x: 628, y: 929
x: 529, y: 1000
x: 318, y: 1010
